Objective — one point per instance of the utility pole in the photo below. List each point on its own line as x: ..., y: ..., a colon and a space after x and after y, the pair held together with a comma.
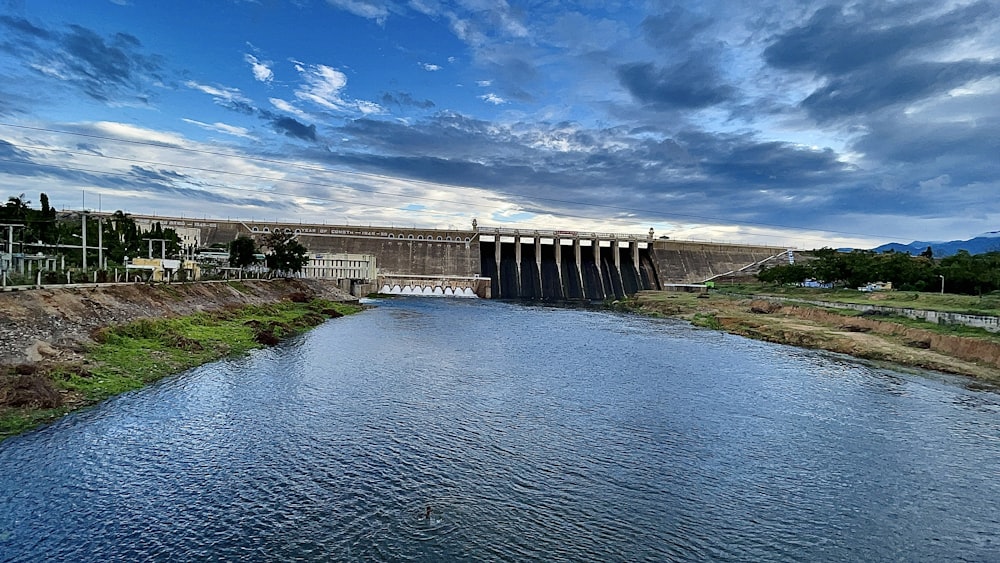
x: 100, y: 241
x: 83, y: 240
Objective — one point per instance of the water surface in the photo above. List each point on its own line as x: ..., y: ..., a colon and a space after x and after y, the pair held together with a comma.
x: 532, y: 433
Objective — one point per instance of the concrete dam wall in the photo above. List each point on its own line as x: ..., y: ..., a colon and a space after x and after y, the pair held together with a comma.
x: 698, y: 262
x: 542, y: 265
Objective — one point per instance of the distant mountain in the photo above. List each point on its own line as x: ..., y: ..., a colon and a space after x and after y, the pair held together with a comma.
x: 987, y: 242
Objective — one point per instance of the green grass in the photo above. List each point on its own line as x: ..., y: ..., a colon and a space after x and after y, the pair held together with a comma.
x: 127, y: 357
x: 969, y: 304
x: 706, y: 320
x: 239, y: 286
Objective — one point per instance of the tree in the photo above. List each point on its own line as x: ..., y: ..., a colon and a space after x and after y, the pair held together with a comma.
x: 904, y: 271
x: 286, y: 255
x: 785, y: 274
x: 121, y: 237
x: 850, y: 269
x: 241, y: 252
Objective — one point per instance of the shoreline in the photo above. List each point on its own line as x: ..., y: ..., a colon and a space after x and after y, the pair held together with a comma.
x: 103, y: 345
x: 872, y: 338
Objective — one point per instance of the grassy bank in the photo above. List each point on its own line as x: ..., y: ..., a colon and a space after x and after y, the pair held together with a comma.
x: 898, y: 341
x: 988, y: 304
x: 126, y: 357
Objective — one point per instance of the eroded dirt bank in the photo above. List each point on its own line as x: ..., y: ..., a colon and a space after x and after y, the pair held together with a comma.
x: 52, y: 325
x: 811, y: 327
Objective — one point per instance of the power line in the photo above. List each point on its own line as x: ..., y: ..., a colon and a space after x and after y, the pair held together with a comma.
x: 370, y: 175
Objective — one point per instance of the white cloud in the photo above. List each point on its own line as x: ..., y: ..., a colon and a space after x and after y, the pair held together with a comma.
x: 286, y: 107
x: 493, y: 99
x: 430, y: 67
x: 134, y: 133
x: 362, y: 8
x: 221, y: 128
x: 322, y: 86
x: 220, y: 93
x: 261, y: 71
x: 484, y: 83
x: 369, y: 108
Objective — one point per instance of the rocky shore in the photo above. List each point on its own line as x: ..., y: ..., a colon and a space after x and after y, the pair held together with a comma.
x: 42, y: 326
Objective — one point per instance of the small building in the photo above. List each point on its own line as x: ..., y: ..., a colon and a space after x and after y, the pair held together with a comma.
x: 876, y: 286
x: 161, y: 269
x: 361, y: 267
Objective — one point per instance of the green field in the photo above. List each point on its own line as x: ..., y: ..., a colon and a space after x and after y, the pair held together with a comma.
x: 970, y: 304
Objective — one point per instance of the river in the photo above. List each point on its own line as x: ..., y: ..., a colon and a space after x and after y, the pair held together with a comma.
x: 531, y: 434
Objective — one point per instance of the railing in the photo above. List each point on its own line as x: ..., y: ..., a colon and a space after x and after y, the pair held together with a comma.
x: 557, y: 234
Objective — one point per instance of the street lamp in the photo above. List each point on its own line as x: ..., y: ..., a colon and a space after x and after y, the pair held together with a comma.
x: 83, y: 246
x: 942, y: 283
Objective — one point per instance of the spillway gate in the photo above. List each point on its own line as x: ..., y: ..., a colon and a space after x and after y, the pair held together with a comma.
x: 565, y: 265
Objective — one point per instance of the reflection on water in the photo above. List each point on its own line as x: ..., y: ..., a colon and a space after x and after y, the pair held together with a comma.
x: 532, y: 433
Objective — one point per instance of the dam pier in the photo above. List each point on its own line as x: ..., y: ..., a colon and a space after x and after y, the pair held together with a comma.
x: 557, y: 265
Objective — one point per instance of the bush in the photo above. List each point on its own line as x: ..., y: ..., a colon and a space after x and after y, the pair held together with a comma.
x: 32, y: 390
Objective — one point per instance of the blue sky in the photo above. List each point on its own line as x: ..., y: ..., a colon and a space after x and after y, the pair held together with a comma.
x: 794, y: 123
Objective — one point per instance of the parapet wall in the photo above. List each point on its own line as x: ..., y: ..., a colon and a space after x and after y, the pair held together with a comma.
x: 697, y: 262
x: 420, y: 252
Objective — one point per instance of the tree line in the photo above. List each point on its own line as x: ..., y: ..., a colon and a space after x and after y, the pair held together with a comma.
x: 285, y: 255
x: 43, y: 230
x: 971, y: 274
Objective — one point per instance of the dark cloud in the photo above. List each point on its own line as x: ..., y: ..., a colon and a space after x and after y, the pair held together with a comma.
x: 11, y: 152
x: 677, y: 26
x: 172, y: 183
x: 23, y: 27
x: 692, y: 173
x: 833, y: 42
x: 865, y: 91
x: 161, y: 175
x: 968, y: 148
x: 405, y: 99
x: 513, y: 76
x: 691, y: 84
x: 766, y: 164
x: 105, y: 68
x: 873, y: 58
x: 293, y: 128
x: 446, y: 134
x: 243, y: 107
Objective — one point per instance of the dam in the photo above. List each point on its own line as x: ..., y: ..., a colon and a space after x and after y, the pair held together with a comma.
x: 492, y: 262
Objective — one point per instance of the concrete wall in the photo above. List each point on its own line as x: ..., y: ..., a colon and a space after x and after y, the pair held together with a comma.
x: 439, y: 252
x: 422, y: 252
x: 696, y: 262
x: 426, y: 257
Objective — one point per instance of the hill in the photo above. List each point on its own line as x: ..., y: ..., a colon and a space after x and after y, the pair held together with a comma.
x: 984, y: 243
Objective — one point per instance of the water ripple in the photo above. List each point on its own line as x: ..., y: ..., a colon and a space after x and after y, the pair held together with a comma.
x: 531, y: 434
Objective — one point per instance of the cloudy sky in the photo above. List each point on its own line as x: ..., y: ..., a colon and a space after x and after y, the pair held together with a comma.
x: 786, y: 122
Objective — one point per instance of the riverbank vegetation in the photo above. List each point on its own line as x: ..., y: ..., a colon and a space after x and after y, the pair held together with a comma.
x: 988, y: 304
x: 964, y: 273
x: 129, y: 356
x: 877, y: 337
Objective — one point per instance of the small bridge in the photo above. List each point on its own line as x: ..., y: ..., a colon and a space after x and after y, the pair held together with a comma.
x: 435, y: 286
